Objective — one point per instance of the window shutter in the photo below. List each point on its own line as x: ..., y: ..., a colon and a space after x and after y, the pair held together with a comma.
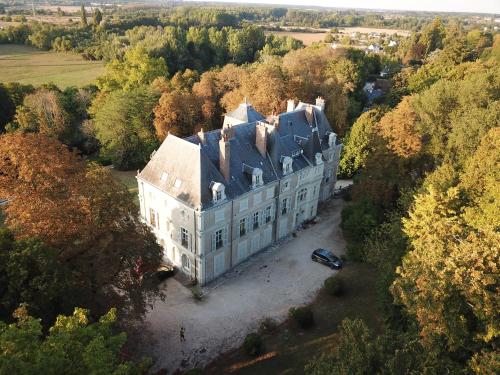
x: 213, y: 242
x: 247, y: 225
x: 273, y: 212
x: 226, y: 232
x: 190, y: 242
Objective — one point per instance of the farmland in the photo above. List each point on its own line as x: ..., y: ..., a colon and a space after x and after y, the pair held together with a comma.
x: 29, y: 65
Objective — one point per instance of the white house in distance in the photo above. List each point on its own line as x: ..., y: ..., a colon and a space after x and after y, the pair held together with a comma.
x: 215, y: 198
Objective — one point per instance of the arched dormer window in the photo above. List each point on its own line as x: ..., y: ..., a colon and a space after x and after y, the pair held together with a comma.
x: 218, y: 191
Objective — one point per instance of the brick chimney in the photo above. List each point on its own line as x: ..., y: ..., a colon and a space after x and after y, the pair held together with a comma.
x: 225, y: 155
x: 261, y: 138
x: 320, y: 102
x: 290, y: 105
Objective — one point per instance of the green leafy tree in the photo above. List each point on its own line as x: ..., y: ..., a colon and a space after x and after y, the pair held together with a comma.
x: 31, y: 274
x: 358, y: 141
x: 97, y: 16
x: 354, y: 354
x: 73, y: 345
x: 136, y: 69
x: 123, y: 122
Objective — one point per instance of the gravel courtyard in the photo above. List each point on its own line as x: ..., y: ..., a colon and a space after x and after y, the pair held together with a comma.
x: 266, y: 285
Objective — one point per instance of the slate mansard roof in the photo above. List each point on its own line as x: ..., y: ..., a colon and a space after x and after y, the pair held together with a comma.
x: 186, y: 168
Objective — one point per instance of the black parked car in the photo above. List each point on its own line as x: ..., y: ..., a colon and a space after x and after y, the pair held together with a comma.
x: 165, y: 271
x: 327, y: 258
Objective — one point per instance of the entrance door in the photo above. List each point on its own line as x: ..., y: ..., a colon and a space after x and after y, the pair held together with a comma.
x: 219, y: 266
x: 283, y: 227
x: 268, y: 237
x: 242, y: 250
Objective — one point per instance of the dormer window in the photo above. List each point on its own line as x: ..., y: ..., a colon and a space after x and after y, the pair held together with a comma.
x: 286, y: 164
x: 319, y: 159
x: 332, y: 139
x: 218, y: 192
x: 257, y: 177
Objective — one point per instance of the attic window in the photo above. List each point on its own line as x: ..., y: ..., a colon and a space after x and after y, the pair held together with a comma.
x: 177, y: 183
x: 257, y: 177
x: 164, y: 176
x: 218, y: 191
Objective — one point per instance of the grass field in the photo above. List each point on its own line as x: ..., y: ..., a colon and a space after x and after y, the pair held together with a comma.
x: 128, y: 179
x: 288, y: 348
x: 26, y: 64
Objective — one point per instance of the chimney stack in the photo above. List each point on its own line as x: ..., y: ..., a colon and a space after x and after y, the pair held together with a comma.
x: 201, y: 135
x: 309, y: 114
x: 225, y: 154
x: 320, y: 102
x: 261, y: 138
x: 290, y: 105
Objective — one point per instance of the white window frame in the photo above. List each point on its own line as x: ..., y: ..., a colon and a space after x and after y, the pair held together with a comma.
x: 184, y: 238
x: 244, y: 222
x: 256, y: 223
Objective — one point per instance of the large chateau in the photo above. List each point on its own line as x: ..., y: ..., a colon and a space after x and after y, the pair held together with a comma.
x: 218, y: 197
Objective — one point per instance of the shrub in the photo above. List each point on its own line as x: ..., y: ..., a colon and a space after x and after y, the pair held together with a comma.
x: 253, y: 344
x: 303, y: 316
x: 334, y: 286
x: 267, y: 325
x: 197, y: 293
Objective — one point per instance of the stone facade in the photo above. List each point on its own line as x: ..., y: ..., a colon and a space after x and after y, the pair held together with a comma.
x: 217, y: 198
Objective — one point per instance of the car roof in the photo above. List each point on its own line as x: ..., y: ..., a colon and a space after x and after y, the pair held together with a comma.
x: 323, y: 252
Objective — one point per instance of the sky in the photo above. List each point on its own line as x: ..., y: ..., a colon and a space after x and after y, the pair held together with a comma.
x: 479, y: 6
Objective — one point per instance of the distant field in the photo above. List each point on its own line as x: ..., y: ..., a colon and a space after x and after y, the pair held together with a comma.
x: 309, y: 38
x: 306, y: 38
x: 26, y: 64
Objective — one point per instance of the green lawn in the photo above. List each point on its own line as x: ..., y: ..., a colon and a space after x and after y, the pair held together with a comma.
x: 26, y: 64
x: 128, y: 179
x: 289, y: 348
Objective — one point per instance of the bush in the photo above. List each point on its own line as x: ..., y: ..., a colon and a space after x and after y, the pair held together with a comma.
x: 334, y: 286
x: 253, y: 344
x: 303, y: 316
x: 267, y: 325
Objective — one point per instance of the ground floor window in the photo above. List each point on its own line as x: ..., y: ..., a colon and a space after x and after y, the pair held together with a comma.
x: 219, y: 238
x: 186, y: 264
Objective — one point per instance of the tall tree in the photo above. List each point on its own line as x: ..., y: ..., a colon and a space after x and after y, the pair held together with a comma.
x: 83, y: 16
x: 72, y: 343
x: 83, y: 212
x: 136, y: 69
x: 123, y: 123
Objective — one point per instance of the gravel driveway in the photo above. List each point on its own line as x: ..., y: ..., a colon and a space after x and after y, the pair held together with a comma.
x: 266, y: 285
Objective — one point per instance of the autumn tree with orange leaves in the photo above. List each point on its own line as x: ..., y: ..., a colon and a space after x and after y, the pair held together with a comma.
x: 78, y: 208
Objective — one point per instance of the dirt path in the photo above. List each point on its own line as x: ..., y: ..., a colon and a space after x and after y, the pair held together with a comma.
x: 266, y: 285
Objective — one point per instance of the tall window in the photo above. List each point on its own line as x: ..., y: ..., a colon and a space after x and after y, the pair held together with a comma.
x: 184, y: 238
x: 256, y: 220
x: 219, y: 238
x: 218, y: 195
x: 243, y: 226
x: 268, y: 214
x: 152, y: 217
x: 284, y: 206
x: 302, y: 195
